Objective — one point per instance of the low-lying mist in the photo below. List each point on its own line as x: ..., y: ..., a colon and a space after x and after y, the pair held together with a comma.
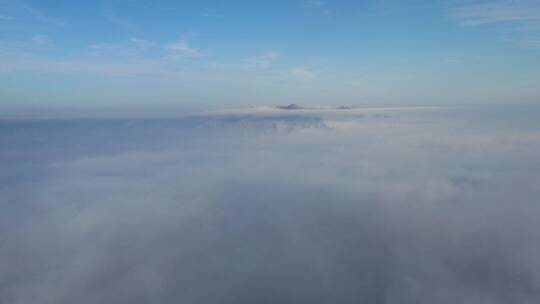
x: 272, y: 206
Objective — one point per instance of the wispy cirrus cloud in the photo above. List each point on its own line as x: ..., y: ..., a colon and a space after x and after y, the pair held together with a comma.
x: 534, y: 42
x: 17, y: 16
x: 32, y: 45
x: 268, y: 67
x: 316, y: 3
x: 302, y: 74
x: 136, y: 57
x: 183, y: 48
x: 144, y: 43
x: 42, y: 40
x: 42, y: 17
x: 453, y: 60
x: 497, y: 12
x: 138, y: 48
x: 212, y: 16
x: 112, y: 17
x: 521, y: 18
x: 107, y: 50
x: 263, y: 60
x: 318, y: 7
x: 6, y: 18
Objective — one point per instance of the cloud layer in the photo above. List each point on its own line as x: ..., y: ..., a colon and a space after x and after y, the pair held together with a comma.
x: 347, y: 206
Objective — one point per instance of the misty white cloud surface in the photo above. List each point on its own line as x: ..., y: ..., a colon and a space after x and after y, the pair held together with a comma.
x: 417, y: 205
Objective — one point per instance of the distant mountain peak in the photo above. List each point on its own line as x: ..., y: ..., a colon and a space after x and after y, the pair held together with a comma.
x: 292, y: 106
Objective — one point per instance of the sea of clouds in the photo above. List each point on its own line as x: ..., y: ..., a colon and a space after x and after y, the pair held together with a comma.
x: 422, y: 205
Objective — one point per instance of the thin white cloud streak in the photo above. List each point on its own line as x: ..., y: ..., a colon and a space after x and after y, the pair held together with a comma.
x: 316, y: 7
x: 535, y: 42
x: 132, y: 69
x: 36, y: 44
x: 17, y: 16
x: 520, y: 17
x: 316, y: 3
x: 141, y: 49
x: 212, y: 16
x: 263, y: 61
x: 492, y: 13
x: 112, y: 17
x: 42, y: 40
x: 41, y: 17
x: 297, y: 74
x: 453, y: 60
x: 144, y: 43
x: 183, y: 48
x: 99, y: 60
x: 6, y: 18
x: 267, y: 65
x: 143, y: 58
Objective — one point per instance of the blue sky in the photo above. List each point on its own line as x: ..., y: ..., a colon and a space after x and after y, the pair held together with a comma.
x: 224, y: 53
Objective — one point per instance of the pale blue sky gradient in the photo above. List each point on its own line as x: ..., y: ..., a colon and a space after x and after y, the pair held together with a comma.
x: 221, y: 53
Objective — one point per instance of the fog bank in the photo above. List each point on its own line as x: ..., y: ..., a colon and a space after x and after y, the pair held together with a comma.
x: 266, y: 206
